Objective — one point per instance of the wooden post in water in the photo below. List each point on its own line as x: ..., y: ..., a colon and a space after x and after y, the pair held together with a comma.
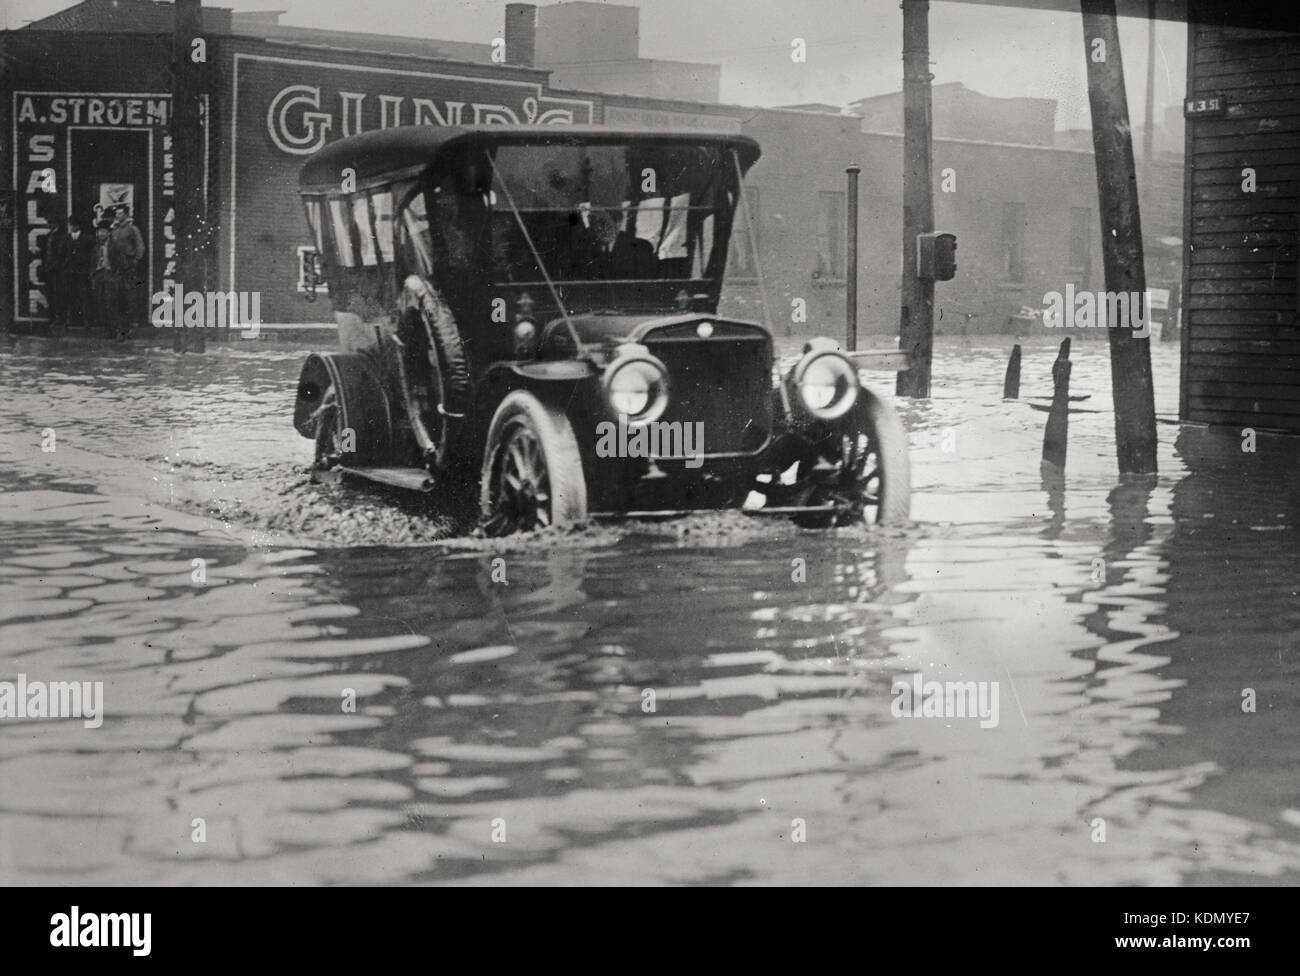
x: 916, y: 328
x: 1011, y: 384
x: 851, y: 284
x: 186, y: 129
x: 1121, y: 237
x: 1057, y: 433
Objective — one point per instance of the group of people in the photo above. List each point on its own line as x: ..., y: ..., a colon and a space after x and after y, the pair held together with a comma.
x: 95, y: 277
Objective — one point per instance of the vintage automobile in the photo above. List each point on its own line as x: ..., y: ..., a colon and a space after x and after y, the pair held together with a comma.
x: 529, y: 314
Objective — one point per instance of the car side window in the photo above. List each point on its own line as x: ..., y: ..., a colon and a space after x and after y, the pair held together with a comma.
x: 316, y: 221
x: 416, y: 244
x: 461, y: 219
x: 381, y: 207
x: 340, y: 225
x: 365, y: 230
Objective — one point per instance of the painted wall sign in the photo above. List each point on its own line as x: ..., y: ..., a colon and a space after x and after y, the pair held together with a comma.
x: 70, y: 149
x: 618, y: 115
x: 309, y: 103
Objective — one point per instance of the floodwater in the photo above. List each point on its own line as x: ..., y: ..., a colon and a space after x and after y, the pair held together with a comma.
x: 643, y: 704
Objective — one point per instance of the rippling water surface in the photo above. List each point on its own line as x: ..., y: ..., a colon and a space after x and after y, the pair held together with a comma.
x: 503, y: 731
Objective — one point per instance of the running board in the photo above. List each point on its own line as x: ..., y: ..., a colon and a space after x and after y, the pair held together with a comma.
x: 412, y: 479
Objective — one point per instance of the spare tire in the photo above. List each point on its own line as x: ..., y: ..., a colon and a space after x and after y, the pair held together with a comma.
x: 446, y: 345
x: 444, y: 350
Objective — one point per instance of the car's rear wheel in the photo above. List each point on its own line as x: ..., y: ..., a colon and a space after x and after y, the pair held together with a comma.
x: 532, y: 472
x: 872, y: 480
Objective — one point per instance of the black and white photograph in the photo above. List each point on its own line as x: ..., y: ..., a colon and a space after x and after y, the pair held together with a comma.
x: 784, y: 443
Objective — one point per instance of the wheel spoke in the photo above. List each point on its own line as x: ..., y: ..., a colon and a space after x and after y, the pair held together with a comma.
x: 532, y: 452
x: 517, y: 459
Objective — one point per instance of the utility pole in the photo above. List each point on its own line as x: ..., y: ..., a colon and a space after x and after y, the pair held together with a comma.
x: 851, y: 289
x: 189, y: 61
x: 916, y: 328
x: 1121, y: 237
x: 1149, y: 132
x: 8, y: 199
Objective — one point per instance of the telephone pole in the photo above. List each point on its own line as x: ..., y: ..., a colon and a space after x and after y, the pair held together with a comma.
x: 189, y: 63
x: 916, y: 328
x: 1121, y: 237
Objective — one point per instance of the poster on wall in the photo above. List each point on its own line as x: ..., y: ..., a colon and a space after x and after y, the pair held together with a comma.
x: 115, y: 195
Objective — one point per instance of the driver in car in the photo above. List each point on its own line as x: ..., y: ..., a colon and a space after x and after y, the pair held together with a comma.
x: 612, y: 253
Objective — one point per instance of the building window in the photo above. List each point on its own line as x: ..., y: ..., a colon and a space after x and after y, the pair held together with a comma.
x: 1080, y: 239
x: 1013, y: 241
x: 830, y: 235
x: 309, y: 263
x: 740, y: 259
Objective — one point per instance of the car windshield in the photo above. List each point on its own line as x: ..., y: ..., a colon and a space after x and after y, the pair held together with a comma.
x: 637, y: 212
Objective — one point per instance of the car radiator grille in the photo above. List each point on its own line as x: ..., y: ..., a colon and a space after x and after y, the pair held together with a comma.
x: 724, y: 382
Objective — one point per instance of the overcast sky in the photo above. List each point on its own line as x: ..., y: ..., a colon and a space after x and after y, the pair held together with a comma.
x: 854, y: 46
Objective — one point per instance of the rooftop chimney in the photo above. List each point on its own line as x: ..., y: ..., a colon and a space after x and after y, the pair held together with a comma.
x: 521, y: 33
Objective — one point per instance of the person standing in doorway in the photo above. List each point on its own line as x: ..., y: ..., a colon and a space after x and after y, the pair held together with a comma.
x: 103, y: 284
x: 126, y: 252
x: 54, y: 262
x: 81, y: 262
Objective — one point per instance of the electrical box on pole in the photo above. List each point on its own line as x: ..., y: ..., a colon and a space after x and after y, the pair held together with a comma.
x: 936, y: 256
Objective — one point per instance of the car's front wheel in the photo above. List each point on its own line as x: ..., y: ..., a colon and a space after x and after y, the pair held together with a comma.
x: 872, y: 472
x: 532, y: 472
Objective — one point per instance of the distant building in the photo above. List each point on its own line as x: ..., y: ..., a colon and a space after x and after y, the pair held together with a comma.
x: 959, y: 113
x: 1168, y: 135
x: 596, y: 47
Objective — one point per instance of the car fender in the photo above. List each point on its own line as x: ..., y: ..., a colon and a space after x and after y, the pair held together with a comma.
x: 559, y: 370
x: 363, y: 403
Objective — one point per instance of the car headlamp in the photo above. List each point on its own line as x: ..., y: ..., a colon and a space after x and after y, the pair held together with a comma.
x: 636, y: 385
x: 826, y: 383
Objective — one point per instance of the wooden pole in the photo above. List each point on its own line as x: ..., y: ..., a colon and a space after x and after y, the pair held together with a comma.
x: 1011, y: 382
x: 1057, y: 433
x: 851, y: 284
x: 187, y: 149
x: 1121, y: 237
x: 8, y: 199
x: 916, y: 328
x: 1149, y: 132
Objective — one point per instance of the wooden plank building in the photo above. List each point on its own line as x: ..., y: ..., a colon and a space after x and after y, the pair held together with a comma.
x: 1241, y: 218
